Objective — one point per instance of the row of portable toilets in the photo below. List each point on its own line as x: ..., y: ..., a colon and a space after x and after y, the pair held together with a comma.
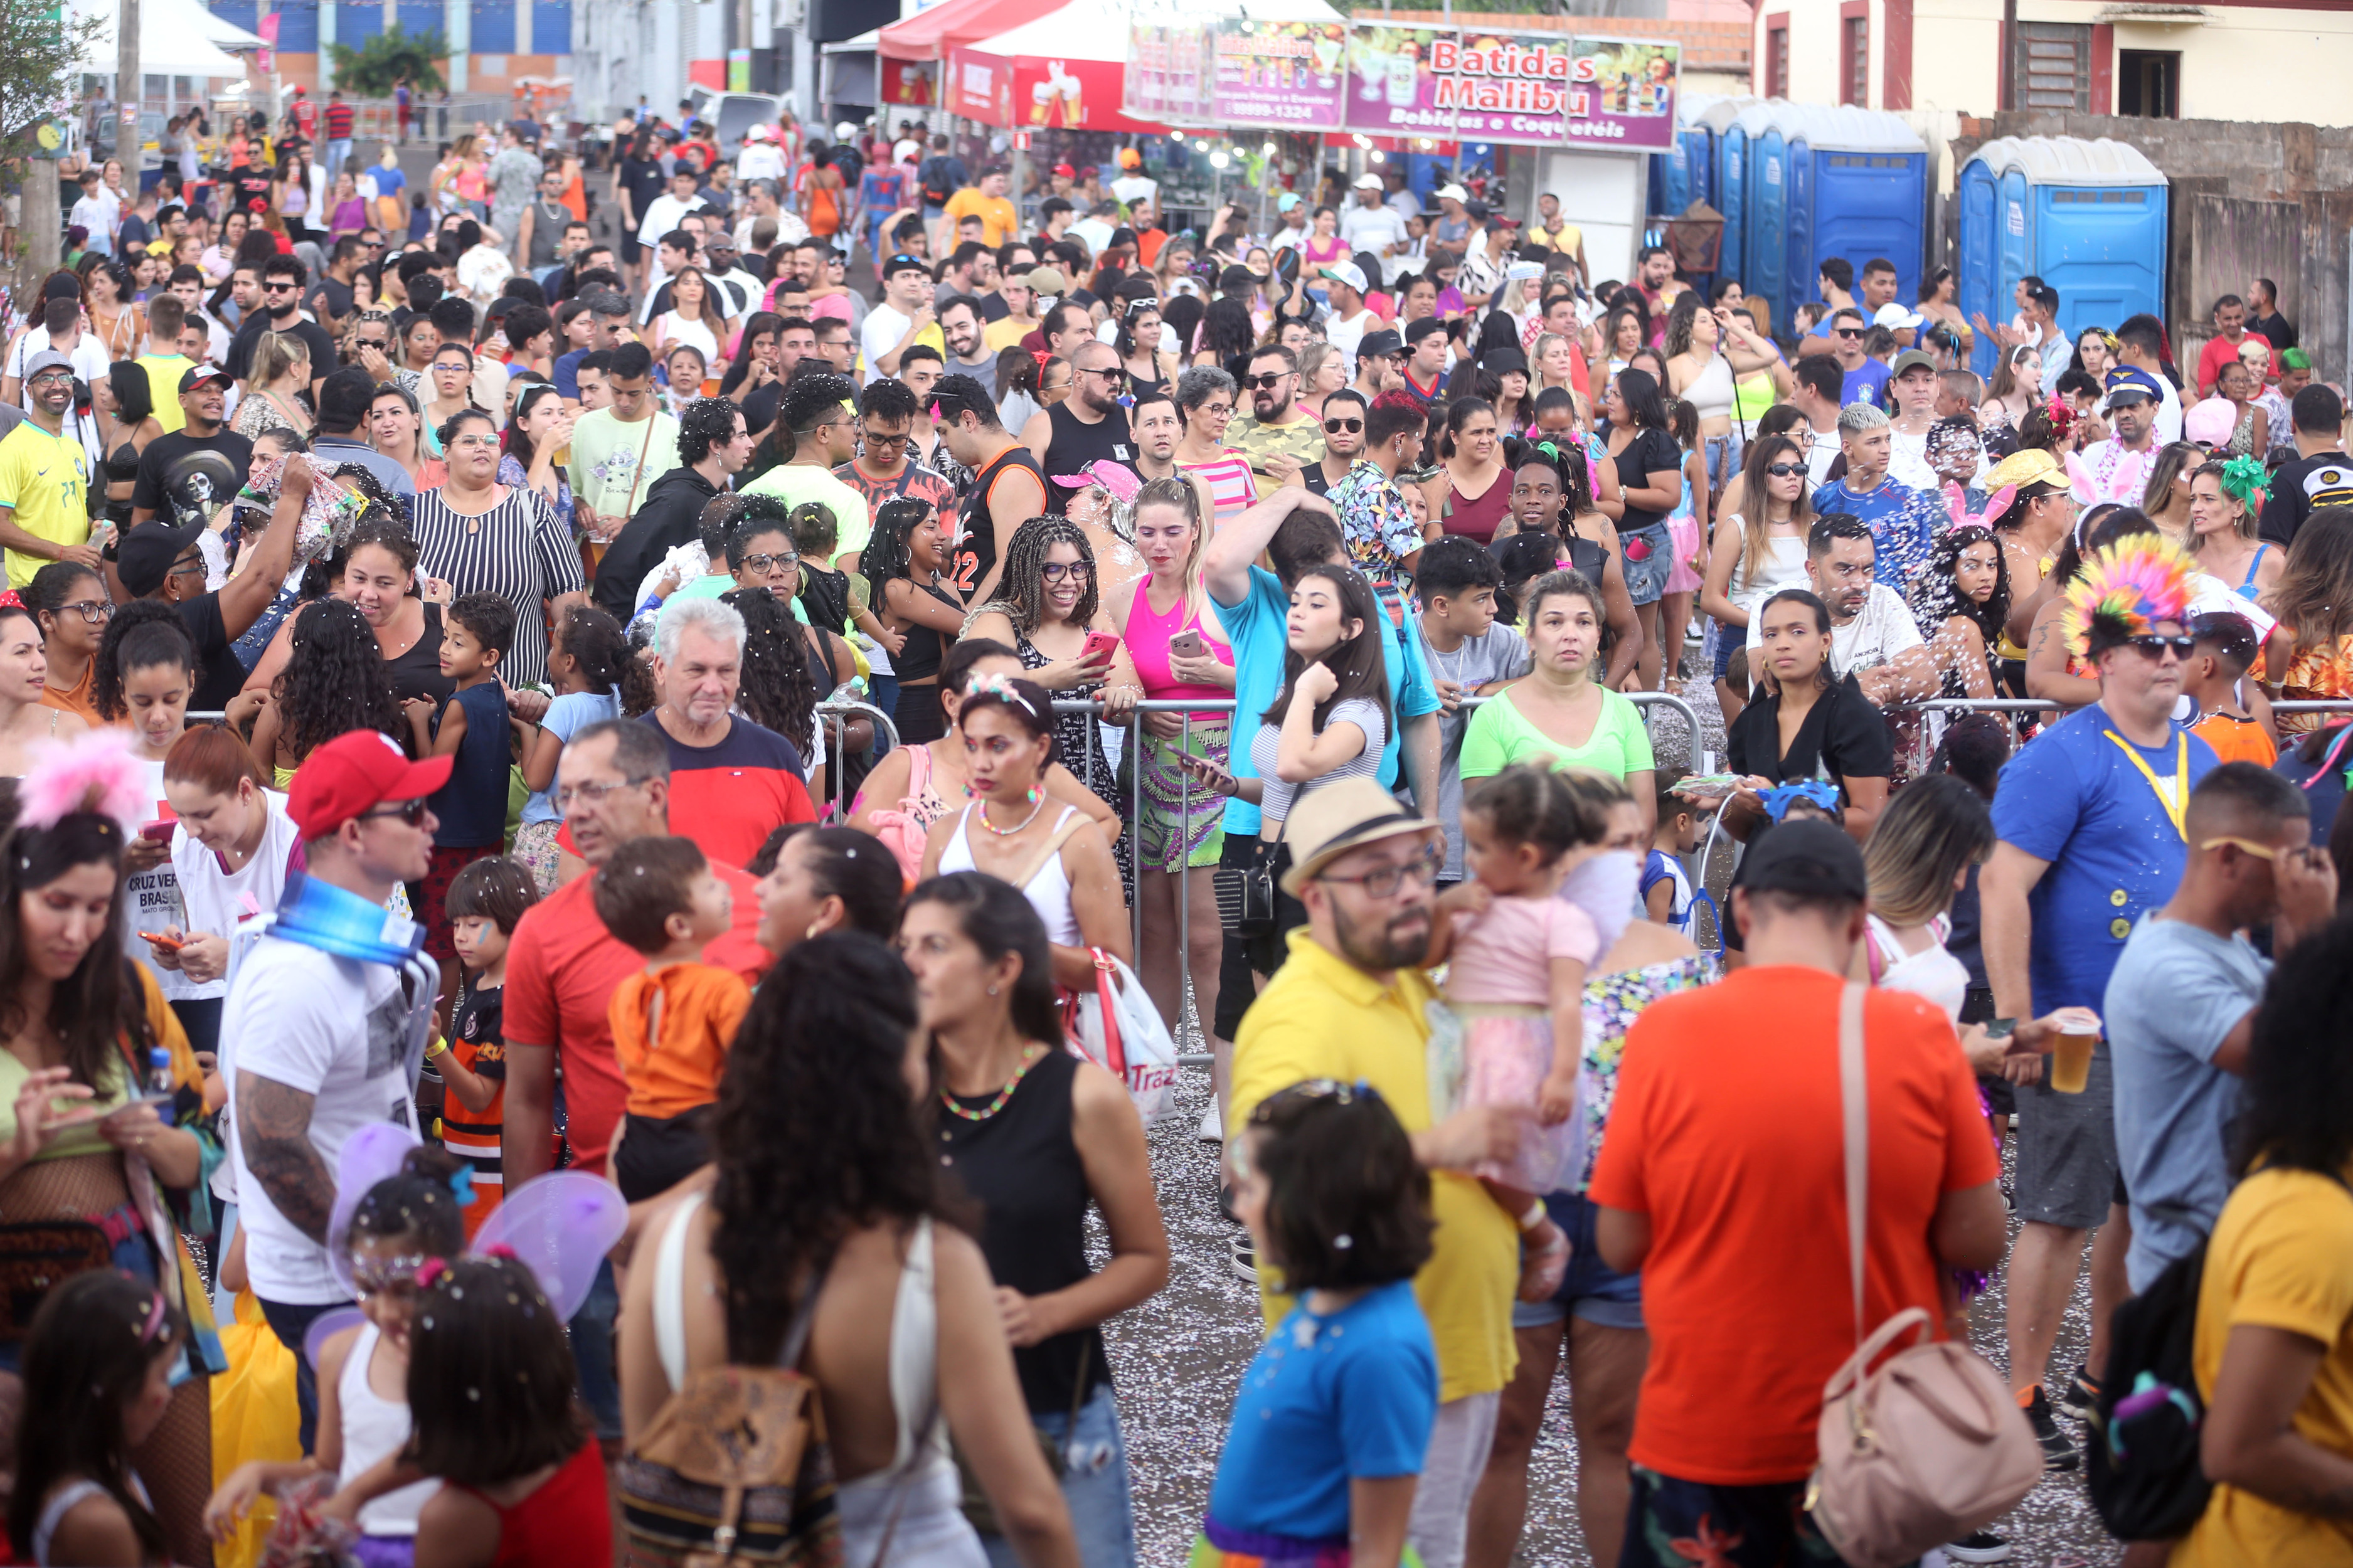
x: 1797, y: 183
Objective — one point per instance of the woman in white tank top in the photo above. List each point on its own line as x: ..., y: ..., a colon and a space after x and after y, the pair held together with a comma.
x: 1919, y: 856
x: 1013, y: 831
x: 897, y: 1323
x: 1707, y: 351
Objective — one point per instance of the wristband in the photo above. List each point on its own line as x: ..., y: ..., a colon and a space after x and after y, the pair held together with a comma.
x: 439, y: 1048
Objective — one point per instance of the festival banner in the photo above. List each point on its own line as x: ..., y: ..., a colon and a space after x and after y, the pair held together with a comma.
x: 1528, y: 88
x: 1286, y: 74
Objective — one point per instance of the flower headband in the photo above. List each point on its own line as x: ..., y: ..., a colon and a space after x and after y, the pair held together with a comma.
x: 1001, y: 688
x: 2062, y: 415
x: 2244, y: 480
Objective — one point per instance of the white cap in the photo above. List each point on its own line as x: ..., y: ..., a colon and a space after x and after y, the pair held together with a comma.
x: 1894, y: 315
x: 1346, y: 272
x: 1452, y: 193
x: 1367, y: 182
x: 844, y: 131
x: 757, y: 134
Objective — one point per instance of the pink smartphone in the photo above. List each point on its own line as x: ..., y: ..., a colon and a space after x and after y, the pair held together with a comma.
x: 158, y: 831
x: 1188, y: 643
x: 1099, y: 647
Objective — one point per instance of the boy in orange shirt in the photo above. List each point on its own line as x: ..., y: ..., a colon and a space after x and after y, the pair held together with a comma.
x: 2226, y: 649
x: 483, y: 904
x: 673, y: 1022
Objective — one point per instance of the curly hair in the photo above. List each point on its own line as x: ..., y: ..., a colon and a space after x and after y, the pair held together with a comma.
x: 885, y: 556
x: 810, y: 398
x: 1225, y: 329
x: 335, y: 680
x: 2298, y: 1090
x: 757, y: 514
x: 814, y: 1136
x: 161, y: 641
x: 593, y: 639
x: 1935, y: 598
x: 1022, y: 586
x: 708, y: 421
x: 776, y: 690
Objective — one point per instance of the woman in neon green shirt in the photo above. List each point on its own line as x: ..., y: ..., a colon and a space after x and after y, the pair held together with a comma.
x: 1560, y: 710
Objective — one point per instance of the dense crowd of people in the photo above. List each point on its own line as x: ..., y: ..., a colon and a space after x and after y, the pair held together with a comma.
x: 581, y: 816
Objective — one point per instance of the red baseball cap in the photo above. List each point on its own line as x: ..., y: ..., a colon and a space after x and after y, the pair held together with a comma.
x: 354, y: 774
x: 1066, y: 171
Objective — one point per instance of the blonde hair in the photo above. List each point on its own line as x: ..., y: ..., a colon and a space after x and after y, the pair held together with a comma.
x: 1180, y: 491
x: 276, y: 354
x: 1536, y: 365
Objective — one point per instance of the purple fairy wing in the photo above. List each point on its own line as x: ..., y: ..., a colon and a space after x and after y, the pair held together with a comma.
x: 325, y: 1327
x: 370, y: 1154
x: 560, y: 1227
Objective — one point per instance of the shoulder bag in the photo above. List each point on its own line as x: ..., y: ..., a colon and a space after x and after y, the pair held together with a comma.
x: 1931, y: 1446
x: 1245, y: 894
x: 735, y: 1468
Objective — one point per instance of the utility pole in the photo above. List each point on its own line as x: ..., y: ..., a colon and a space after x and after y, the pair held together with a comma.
x: 130, y: 89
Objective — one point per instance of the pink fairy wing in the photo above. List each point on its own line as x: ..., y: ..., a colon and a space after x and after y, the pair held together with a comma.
x: 560, y: 1227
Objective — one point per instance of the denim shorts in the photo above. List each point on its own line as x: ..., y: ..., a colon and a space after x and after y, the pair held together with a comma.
x: 1094, y: 1484
x: 1647, y: 556
x: 1592, y: 1290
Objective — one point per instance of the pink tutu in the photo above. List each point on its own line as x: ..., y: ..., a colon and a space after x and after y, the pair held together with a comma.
x: 1683, y: 534
x: 1505, y: 1056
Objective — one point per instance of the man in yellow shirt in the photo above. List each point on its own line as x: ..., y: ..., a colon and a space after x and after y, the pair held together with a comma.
x: 1348, y: 1004
x: 43, y: 478
x: 1021, y: 292
x: 163, y: 362
x: 986, y: 202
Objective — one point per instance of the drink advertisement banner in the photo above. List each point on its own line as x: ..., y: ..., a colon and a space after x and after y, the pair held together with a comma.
x: 1169, y: 67
x: 1529, y: 89
x: 1287, y: 74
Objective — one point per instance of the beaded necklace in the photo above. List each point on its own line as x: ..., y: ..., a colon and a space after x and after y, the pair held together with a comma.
x: 1031, y: 1056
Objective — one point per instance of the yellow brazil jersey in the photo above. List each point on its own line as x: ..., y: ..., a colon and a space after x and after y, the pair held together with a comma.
x: 44, y: 483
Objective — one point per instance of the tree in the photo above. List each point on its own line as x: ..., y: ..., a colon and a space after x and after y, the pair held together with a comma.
x: 42, y: 46
x: 370, y: 70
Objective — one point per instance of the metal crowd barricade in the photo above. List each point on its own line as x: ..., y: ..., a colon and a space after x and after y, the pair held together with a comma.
x: 1702, y: 761
x: 836, y: 718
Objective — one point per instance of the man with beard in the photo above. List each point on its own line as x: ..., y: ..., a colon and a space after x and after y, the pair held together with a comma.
x: 1343, y: 440
x: 1872, y: 635
x: 45, y: 477
x: 960, y: 326
x: 1347, y: 1008
x: 2117, y: 468
x: 1280, y: 437
x: 1088, y: 426
x: 281, y: 312
x: 198, y: 467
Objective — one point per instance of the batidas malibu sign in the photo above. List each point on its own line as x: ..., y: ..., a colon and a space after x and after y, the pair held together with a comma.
x: 1542, y: 88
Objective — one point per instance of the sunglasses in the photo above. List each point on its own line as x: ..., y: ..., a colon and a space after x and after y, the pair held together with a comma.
x: 412, y: 812
x: 1850, y: 331
x: 1785, y: 470
x: 2152, y: 644
x: 1336, y: 426
x: 1266, y: 383
x: 1112, y: 377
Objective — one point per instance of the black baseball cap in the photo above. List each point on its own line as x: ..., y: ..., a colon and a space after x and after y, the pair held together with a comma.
x: 1380, y: 344
x: 902, y: 262
x: 196, y: 375
x: 1812, y: 860
x: 145, y: 555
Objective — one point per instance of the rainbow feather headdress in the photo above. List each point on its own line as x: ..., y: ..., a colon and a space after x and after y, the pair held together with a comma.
x: 2125, y: 591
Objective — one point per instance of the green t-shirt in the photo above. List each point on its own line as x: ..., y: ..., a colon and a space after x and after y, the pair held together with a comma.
x: 614, y: 465
x: 795, y: 483
x: 1499, y: 735
x: 1301, y: 441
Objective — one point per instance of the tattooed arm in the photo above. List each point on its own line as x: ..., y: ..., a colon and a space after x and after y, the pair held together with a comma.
x: 274, y: 1124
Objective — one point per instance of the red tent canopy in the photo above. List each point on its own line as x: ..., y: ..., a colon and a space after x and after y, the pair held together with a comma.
x: 929, y: 35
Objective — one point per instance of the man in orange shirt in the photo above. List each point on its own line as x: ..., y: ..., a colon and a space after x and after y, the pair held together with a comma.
x: 1724, y: 1171
x: 986, y: 202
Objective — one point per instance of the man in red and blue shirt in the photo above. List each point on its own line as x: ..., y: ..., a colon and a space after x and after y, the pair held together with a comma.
x: 339, y: 134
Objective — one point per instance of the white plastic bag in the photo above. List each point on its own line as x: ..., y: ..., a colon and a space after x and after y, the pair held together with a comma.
x: 1116, y: 1028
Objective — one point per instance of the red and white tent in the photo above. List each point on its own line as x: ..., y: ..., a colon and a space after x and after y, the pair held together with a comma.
x: 1061, y: 70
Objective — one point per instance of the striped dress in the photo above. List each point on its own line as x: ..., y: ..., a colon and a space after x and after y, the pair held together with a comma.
x: 516, y: 550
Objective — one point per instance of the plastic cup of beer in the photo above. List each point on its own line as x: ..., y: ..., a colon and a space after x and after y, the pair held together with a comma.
x: 2071, y: 1058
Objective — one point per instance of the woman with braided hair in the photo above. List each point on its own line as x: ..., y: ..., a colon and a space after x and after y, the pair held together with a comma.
x: 777, y: 691
x: 1047, y: 605
x: 2225, y: 499
x: 904, y: 563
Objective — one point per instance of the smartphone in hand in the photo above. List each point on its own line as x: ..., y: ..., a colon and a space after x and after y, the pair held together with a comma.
x: 1099, y: 648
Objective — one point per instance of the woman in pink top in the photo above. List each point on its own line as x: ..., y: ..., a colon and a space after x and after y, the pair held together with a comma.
x: 1324, y: 247
x: 1180, y: 652
x: 1205, y: 396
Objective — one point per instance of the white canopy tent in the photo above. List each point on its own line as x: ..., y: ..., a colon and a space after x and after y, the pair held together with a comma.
x: 176, y: 38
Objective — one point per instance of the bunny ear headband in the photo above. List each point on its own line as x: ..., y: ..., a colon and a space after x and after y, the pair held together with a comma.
x: 1996, y: 504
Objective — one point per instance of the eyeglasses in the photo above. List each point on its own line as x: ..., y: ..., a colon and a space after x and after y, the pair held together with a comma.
x: 1055, y: 571
x: 47, y: 376
x: 1268, y: 382
x: 94, y: 611
x: 761, y: 565
x: 1421, y: 870
x: 181, y: 568
x: 1785, y: 470
x: 412, y: 812
x: 874, y: 438
x: 592, y: 793
x: 2152, y: 644
x: 1335, y: 427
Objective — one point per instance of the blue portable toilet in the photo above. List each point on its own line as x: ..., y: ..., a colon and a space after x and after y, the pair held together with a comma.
x: 1684, y: 173
x: 1764, y: 255
x: 1858, y: 189
x: 1732, y: 194
x: 2088, y: 217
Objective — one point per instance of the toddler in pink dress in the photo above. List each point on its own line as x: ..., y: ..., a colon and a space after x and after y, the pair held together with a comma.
x: 1511, y: 1029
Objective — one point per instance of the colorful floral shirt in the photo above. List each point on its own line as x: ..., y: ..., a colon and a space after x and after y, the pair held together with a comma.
x: 2323, y: 674
x: 1613, y: 1003
x: 1376, y: 526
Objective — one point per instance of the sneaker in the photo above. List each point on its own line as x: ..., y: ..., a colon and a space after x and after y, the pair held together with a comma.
x: 2082, y: 1394
x: 1241, y: 1256
x: 1980, y: 1546
x: 1213, y: 1127
x: 2058, y: 1449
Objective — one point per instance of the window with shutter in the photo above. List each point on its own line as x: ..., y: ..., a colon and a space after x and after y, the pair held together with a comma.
x: 2053, y: 66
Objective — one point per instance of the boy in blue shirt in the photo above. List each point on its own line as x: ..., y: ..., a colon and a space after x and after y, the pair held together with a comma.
x: 473, y: 726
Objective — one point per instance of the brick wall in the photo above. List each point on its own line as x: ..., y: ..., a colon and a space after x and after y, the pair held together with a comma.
x: 2308, y: 165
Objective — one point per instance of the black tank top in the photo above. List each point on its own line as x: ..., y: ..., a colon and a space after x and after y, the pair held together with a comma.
x: 1076, y: 444
x: 975, y: 546
x: 417, y: 673
x: 926, y: 647
x: 1022, y: 1167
